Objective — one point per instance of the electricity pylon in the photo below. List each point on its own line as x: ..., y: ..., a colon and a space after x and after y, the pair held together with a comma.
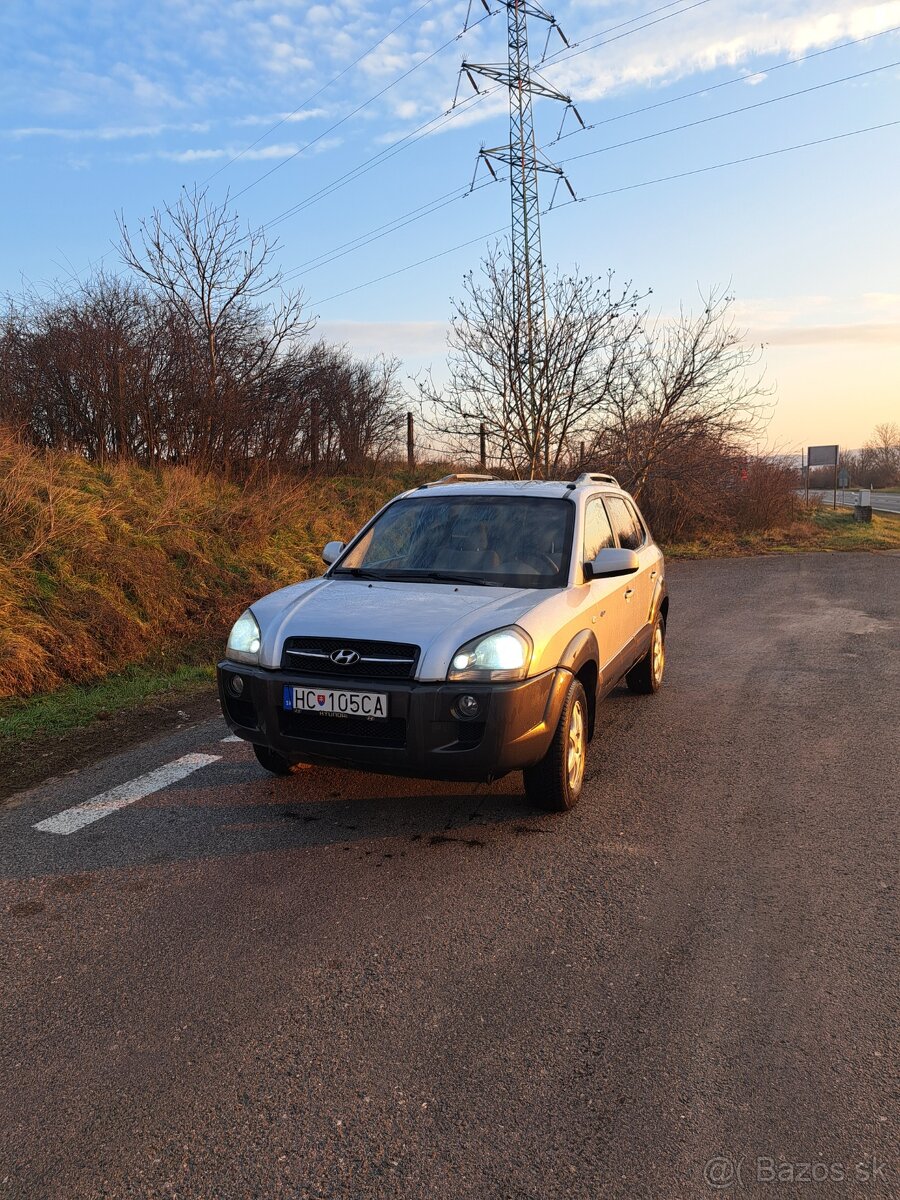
x: 525, y: 163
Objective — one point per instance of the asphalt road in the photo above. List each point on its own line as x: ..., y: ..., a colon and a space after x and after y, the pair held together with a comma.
x: 881, y: 501
x: 339, y: 986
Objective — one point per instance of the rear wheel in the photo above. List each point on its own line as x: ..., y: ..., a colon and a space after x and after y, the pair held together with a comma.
x: 555, y: 782
x: 273, y: 762
x: 646, y: 676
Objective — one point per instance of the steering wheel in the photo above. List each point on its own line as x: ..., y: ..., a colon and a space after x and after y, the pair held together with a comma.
x: 543, y: 560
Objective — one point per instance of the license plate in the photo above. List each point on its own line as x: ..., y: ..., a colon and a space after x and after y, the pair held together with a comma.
x: 335, y: 703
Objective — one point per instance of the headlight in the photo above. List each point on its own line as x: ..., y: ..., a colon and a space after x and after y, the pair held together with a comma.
x: 244, y: 639
x: 493, y: 657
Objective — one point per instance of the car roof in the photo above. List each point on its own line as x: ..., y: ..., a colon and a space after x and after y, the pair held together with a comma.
x: 559, y: 489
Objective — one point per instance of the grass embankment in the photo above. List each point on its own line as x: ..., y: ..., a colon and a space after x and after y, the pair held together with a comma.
x: 115, y: 582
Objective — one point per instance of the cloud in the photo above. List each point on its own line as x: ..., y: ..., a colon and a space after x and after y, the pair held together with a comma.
x: 728, y: 35
x: 229, y: 62
x: 211, y: 153
x: 882, y: 302
x: 407, y: 339
x: 103, y: 133
x: 872, y: 319
x: 288, y: 118
x: 870, y: 334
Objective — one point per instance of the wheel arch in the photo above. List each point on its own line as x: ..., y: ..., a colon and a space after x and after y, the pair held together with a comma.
x: 659, y: 602
x: 582, y: 658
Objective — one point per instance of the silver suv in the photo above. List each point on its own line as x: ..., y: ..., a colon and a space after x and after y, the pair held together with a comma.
x: 468, y: 630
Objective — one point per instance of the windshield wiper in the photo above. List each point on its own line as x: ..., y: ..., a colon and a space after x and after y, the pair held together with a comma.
x: 399, y: 575
x: 361, y: 573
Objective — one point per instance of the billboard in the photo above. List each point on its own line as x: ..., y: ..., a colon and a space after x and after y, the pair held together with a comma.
x: 822, y: 456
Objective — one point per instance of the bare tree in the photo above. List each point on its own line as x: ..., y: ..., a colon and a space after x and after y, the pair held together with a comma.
x: 218, y: 281
x: 680, y: 386
x: 880, y: 457
x: 110, y: 370
x: 588, y: 327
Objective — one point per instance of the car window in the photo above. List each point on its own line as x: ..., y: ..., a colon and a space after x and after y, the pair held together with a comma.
x: 628, y: 528
x: 640, y: 522
x: 507, y: 541
x: 598, y: 534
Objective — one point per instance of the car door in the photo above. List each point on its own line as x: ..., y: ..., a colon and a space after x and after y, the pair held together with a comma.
x: 648, y: 578
x: 632, y: 535
x: 610, y: 614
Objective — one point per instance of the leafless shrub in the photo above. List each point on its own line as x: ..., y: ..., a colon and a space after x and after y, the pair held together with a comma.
x: 198, y: 360
x: 588, y: 326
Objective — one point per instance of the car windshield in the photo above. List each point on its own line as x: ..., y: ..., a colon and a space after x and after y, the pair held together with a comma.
x: 501, y: 541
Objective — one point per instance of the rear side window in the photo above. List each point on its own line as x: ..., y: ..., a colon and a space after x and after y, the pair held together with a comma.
x: 598, y: 534
x: 624, y: 521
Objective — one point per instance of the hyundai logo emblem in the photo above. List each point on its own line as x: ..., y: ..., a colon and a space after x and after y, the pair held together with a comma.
x: 344, y: 658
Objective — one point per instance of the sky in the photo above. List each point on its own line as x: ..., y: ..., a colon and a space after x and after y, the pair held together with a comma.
x: 332, y: 126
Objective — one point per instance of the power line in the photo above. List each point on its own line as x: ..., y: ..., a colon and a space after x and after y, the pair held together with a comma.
x: 616, y: 191
x: 579, y: 48
x: 359, y: 108
x: 731, y: 112
x: 451, y: 114
x: 443, y: 201
x: 324, y: 88
x: 734, y: 162
x: 411, y: 266
x: 380, y: 231
x: 448, y: 115
x: 376, y: 160
x: 635, y: 112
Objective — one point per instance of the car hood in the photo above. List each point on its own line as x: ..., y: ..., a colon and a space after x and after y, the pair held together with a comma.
x: 437, y: 617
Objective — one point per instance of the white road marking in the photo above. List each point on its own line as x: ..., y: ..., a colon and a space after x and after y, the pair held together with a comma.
x: 92, y: 810
x: 233, y: 738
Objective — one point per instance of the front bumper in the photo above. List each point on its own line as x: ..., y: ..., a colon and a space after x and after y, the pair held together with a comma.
x: 421, y: 736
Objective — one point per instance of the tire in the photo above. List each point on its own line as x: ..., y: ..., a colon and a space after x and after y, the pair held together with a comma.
x: 555, y: 783
x: 646, y: 677
x: 273, y: 762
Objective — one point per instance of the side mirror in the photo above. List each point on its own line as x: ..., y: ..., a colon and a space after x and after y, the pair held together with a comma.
x: 332, y: 552
x: 611, y: 562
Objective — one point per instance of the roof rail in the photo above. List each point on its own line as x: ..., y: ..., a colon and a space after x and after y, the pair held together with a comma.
x: 593, y: 477
x: 458, y: 478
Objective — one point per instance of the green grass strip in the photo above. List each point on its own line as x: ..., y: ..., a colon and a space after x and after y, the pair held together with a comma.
x: 74, y: 707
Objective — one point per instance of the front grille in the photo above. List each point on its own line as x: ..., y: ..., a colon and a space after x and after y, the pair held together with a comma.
x: 377, y: 660
x: 347, y: 731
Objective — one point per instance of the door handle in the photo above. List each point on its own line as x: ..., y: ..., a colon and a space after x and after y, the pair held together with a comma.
x: 629, y: 593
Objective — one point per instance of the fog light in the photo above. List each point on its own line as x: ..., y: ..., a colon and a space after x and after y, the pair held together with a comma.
x: 235, y: 685
x: 468, y: 707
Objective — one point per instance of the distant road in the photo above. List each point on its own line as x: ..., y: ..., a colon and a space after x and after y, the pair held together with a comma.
x: 881, y: 501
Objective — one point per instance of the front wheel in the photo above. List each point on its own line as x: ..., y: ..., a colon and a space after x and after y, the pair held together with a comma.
x: 555, y: 782
x: 646, y: 676
x: 273, y: 762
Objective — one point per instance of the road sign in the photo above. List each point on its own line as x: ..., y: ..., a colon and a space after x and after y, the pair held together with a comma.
x: 843, y: 478
x: 822, y: 456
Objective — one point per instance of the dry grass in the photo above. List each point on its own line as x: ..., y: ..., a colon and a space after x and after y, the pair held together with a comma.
x: 818, y: 529
x: 102, y: 568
